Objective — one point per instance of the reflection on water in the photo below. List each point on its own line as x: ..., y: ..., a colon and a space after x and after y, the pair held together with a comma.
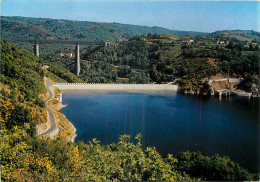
x: 169, y: 121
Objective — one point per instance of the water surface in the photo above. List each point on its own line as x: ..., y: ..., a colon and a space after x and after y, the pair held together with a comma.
x: 169, y: 121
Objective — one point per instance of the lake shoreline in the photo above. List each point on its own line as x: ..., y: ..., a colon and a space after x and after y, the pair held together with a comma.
x: 71, y: 127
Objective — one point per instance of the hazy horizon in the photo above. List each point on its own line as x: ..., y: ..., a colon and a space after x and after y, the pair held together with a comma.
x: 199, y: 16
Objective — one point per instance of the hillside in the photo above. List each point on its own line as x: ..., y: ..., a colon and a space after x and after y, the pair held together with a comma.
x: 77, y: 30
x: 243, y: 35
x: 46, y: 28
x: 131, y: 30
x: 164, y: 58
x: 21, y: 76
x: 18, y: 29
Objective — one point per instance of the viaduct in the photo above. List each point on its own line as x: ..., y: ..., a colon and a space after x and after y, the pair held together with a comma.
x: 36, y: 44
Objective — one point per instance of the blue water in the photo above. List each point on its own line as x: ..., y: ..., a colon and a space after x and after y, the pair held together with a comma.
x: 170, y: 121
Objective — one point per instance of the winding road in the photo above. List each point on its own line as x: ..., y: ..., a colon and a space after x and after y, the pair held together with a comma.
x: 53, y: 125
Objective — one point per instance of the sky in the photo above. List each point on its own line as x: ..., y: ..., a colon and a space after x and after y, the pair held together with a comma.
x: 203, y: 16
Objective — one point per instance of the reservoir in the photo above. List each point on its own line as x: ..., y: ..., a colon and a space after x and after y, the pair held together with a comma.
x: 169, y: 121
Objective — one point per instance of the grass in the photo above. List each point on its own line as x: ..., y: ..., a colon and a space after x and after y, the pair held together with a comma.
x: 55, y: 78
x: 173, y: 52
x: 248, y: 52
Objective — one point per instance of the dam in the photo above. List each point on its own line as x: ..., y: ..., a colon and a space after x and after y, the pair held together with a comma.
x: 108, y: 86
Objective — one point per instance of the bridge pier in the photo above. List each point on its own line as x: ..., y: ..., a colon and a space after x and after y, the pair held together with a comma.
x: 36, y: 49
x: 37, y: 42
x: 77, y: 61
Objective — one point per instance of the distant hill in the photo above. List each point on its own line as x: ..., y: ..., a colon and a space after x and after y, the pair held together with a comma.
x: 46, y: 28
x: 131, y: 30
x: 243, y: 35
x: 17, y: 29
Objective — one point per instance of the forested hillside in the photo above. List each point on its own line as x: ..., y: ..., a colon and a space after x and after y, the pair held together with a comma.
x: 189, y: 60
x: 22, y: 83
x: 46, y: 28
x: 243, y: 35
x: 26, y: 157
x: 21, y: 77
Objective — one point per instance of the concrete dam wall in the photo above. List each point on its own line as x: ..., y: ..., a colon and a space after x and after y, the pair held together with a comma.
x: 100, y: 86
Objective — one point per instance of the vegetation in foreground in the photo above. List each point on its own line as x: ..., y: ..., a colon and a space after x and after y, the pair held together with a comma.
x: 25, y: 157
